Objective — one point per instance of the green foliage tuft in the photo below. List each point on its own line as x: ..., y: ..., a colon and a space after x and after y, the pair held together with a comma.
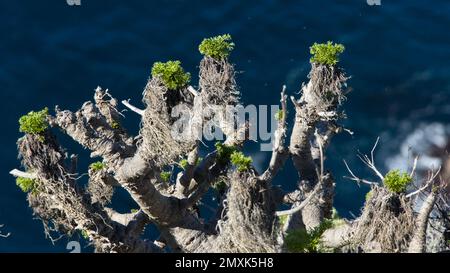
x: 218, y: 47
x: 397, y: 181
x: 224, y: 152
x: 172, y: 74
x: 301, y: 241
x: 369, y: 195
x: 165, y: 176
x: 115, y: 125
x: 184, y: 162
x: 34, y: 122
x: 282, y: 219
x: 97, y: 166
x: 85, y: 234
x: 297, y: 241
x: 326, y: 53
x: 279, y: 115
x: 220, y: 186
x: 26, y: 184
x: 241, y: 161
x: 134, y: 210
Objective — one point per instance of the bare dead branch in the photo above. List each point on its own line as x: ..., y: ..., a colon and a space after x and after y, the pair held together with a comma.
x: 18, y: 173
x: 355, y: 178
x: 133, y: 108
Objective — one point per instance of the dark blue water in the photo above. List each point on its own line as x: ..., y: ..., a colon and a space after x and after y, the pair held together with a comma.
x: 52, y: 54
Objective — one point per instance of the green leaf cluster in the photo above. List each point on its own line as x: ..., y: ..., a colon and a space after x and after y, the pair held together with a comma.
x: 224, y: 152
x: 34, y: 122
x: 184, y: 162
x: 26, y: 184
x: 396, y: 181
x: 220, y: 186
x: 282, y: 219
x: 172, y: 74
x: 326, y: 53
x: 279, y: 115
x: 241, y: 161
x: 115, y: 125
x: 85, y: 234
x: 165, y: 176
x: 301, y: 241
x: 97, y: 166
x: 218, y: 47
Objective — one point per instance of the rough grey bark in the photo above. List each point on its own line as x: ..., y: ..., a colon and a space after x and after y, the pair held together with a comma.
x: 418, y: 243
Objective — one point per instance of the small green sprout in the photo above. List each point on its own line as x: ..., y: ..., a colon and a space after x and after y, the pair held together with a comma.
x: 218, y: 47
x: 26, y: 184
x: 279, y: 115
x: 34, y: 122
x: 326, y: 53
x: 297, y: 241
x: 220, y: 186
x: 97, y: 166
x: 184, y: 162
x: 134, y: 210
x: 241, y: 161
x: 115, y: 125
x: 369, y: 195
x: 165, y: 176
x: 85, y: 234
x: 397, y: 181
x: 224, y: 152
x: 282, y: 219
x: 172, y: 74
x: 301, y: 241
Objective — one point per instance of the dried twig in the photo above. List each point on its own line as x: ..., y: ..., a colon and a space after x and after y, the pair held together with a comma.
x: 431, y: 177
x: 371, y: 162
x: 355, y: 178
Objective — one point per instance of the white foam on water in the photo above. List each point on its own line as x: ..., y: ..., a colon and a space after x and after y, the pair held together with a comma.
x: 421, y: 141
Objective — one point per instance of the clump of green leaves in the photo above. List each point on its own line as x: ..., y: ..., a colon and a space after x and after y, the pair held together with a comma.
x: 184, y: 162
x: 218, y: 47
x: 134, y: 210
x: 26, y: 184
x: 220, y: 186
x: 397, y: 181
x: 241, y: 161
x: 301, y: 241
x: 34, y: 122
x: 97, y: 166
x: 283, y: 219
x: 224, y: 152
x: 115, y: 125
x: 279, y: 115
x: 172, y: 74
x: 165, y: 176
x: 326, y: 53
x: 85, y: 234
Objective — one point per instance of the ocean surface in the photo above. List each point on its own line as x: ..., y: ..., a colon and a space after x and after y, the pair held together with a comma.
x: 398, y: 54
